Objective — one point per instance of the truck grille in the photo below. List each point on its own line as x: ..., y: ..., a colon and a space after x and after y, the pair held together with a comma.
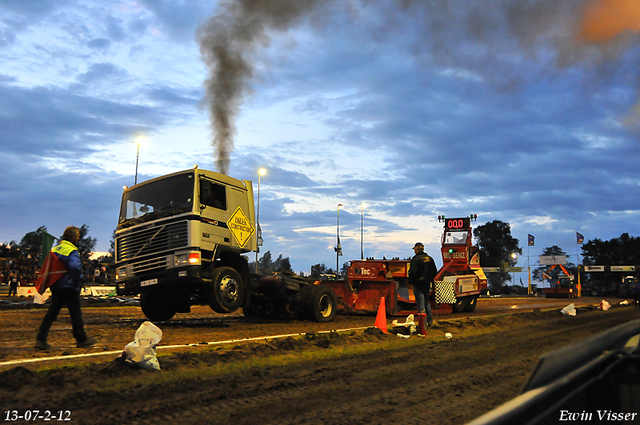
x: 153, y: 240
x: 154, y: 263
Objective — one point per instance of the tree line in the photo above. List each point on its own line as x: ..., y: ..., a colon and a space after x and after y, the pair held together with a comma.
x: 267, y: 265
x: 497, y: 246
x: 31, y: 244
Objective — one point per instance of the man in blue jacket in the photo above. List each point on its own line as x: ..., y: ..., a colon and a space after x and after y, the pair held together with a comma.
x: 66, y: 290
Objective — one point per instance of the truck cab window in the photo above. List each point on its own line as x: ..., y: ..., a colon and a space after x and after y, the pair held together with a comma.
x: 213, y: 195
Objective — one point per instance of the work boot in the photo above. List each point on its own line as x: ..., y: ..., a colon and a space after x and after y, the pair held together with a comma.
x: 42, y: 345
x: 86, y: 343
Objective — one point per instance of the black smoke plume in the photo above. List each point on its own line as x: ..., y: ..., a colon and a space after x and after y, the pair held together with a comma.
x: 487, y: 39
x: 228, y: 41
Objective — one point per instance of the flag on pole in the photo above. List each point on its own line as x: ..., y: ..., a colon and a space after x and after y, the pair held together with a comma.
x: 47, y: 243
x: 531, y: 241
x: 52, y: 270
x: 579, y: 238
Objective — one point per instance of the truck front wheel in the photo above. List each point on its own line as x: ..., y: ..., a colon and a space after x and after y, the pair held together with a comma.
x: 226, y: 290
x: 157, y: 305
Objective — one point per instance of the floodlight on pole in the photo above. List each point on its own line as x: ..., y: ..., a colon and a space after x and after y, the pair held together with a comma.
x: 338, y: 247
x: 514, y: 256
x: 362, y: 231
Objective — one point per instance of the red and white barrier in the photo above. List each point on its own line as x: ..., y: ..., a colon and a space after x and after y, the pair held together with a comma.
x: 87, y: 291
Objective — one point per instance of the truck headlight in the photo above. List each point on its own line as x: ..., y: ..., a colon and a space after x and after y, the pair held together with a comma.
x: 192, y: 258
x: 121, y: 273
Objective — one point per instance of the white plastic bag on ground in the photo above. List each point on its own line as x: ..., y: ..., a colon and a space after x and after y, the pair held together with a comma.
x: 142, y: 351
x: 407, y: 322
x: 404, y: 329
x: 604, y: 305
x: 569, y: 310
x: 40, y: 299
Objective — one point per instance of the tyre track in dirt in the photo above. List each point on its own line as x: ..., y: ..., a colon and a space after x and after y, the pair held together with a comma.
x: 432, y: 382
x: 428, y: 381
x: 443, y: 381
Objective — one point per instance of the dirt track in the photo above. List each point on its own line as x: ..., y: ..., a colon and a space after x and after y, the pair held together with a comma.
x: 342, y: 378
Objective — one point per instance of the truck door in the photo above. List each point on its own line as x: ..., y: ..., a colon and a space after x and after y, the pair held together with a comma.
x: 214, y: 213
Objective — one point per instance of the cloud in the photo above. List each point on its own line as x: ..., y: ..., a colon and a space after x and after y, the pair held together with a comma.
x: 37, y: 193
x: 178, y: 96
x: 99, y: 43
x: 179, y: 19
x: 18, y: 15
x: 101, y: 73
x: 416, y: 108
x: 53, y: 121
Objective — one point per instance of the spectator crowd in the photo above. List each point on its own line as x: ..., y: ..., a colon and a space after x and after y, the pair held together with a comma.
x: 24, y: 268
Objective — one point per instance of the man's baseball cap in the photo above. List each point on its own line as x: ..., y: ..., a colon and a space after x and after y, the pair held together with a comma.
x: 418, y: 244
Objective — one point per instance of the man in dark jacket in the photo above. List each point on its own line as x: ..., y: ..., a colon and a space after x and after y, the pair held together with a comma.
x: 422, y: 271
x: 66, y: 290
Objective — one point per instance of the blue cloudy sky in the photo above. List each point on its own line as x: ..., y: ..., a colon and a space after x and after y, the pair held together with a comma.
x: 522, y: 111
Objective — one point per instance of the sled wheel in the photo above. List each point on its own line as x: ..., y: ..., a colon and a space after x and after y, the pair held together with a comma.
x: 470, y: 305
x: 225, y: 291
x: 157, y: 305
x: 458, y: 306
x: 321, y: 303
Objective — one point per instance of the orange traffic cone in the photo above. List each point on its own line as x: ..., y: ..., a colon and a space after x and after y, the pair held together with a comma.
x: 381, y: 318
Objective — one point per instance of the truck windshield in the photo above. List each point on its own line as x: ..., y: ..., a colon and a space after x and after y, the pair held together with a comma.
x: 455, y: 237
x: 162, y: 198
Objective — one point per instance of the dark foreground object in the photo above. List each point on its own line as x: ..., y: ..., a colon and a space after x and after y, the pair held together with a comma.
x: 597, y: 380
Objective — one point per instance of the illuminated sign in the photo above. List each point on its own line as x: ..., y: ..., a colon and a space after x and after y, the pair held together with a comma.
x: 623, y: 268
x: 593, y: 268
x: 551, y: 260
x: 457, y: 223
x: 455, y: 254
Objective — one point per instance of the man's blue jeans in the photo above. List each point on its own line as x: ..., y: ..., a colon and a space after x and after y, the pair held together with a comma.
x: 422, y: 300
x: 60, y: 297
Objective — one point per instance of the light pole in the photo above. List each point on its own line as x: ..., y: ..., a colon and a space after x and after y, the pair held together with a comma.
x: 514, y: 255
x: 338, y: 247
x: 140, y: 140
x: 261, y: 172
x: 362, y: 231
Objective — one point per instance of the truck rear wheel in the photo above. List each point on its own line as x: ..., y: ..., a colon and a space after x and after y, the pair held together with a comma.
x: 321, y: 304
x: 157, y: 305
x: 225, y: 291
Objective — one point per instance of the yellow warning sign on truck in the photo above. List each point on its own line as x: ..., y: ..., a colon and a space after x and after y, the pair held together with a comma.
x: 240, y: 227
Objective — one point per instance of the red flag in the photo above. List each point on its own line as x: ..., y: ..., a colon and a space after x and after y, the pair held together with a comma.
x: 51, y: 271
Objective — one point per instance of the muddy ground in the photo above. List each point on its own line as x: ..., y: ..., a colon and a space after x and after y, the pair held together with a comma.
x: 349, y: 377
